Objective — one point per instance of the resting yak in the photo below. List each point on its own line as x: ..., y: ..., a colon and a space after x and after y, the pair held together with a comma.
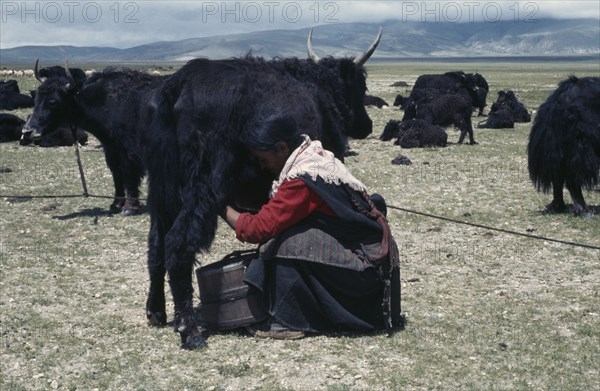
x: 107, y: 105
x: 197, y: 119
x: 564, y: 143
x: 507, y: 110
x: 11, y: 128
x: 376, y: 101
x: 508, y: 100
x: 11, y: 97
x: 414, y: 133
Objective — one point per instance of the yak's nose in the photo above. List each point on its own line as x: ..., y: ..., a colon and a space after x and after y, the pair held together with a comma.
x: 31, y: 133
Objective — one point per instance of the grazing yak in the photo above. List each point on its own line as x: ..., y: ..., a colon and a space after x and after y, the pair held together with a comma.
x: 472, y: 87
x: 106, y: 105
x: 414, y: 133
x: 442, y: 110
x: 197, y: 119
x: 11, y: 97
x: 564, y: 143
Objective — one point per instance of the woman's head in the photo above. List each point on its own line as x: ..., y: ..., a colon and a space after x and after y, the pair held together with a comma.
x: 271, y: 138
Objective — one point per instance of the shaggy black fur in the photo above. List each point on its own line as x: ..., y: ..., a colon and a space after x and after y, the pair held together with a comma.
x: 564, y: 143
x: 414, y: 133
x: 471, y: 87
x: 58, y: 71
x: 198, y: 118
x: 498, y: 119
x: 442, y: 110
x: 507, y: 110
x: 509, y: 101
x: 11, y: 97
x: 107, y: 106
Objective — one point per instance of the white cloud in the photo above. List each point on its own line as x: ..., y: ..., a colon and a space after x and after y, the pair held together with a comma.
x: 129, y: 23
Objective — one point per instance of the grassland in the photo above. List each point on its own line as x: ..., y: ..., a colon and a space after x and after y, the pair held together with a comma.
x: 485, y: 310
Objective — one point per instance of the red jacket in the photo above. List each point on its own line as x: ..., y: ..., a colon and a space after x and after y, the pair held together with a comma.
x: 292, y: 202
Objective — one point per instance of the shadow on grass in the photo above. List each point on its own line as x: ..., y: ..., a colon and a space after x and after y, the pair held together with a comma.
x: 94, y: 212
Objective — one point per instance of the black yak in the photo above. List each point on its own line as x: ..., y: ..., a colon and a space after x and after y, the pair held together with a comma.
x: 507, y: 110
x: 508, y: 100
x: 414, y: 133
x: 472, y: 87
x: 564, y: 143
x: 482, y: 89
x: 443, y: 110
x: 197, y: 119
x: 498, y: 119
x: 11, y: 97
x: 376, y: 101
x: 11, y: 128
x: 106, y: 105
x: 399, y: 101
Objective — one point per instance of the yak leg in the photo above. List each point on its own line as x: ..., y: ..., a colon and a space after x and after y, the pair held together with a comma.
x: 155, y: 305
x: 579, y: 204
x: 132, y: 205
x: 465, y: 127
x: 180, y: 281
x: 112, y: 161
x: 558, y: 203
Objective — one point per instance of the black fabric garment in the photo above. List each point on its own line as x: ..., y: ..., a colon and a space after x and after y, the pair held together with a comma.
x: 325, y: 283
x: 349, y: 224
x: 315, y: 297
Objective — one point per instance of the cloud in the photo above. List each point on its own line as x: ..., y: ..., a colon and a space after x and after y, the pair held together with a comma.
x: 130, y: 23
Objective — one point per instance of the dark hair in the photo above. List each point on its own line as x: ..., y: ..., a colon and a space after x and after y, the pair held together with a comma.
x: 266, y: 130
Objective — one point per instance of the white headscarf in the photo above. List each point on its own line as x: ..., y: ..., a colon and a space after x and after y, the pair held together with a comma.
x: 310, y: 158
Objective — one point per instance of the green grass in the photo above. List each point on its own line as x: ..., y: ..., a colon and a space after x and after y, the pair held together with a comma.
x: 486, y: 310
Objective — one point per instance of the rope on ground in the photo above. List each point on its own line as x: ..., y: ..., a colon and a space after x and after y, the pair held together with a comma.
x: 27, y: 197
x: 506, y: 231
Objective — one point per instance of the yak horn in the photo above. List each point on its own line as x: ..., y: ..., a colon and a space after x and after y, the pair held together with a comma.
x: 36, y: 72
x: 309, y: 48
x: 72, y: 84
x: 363, y: 59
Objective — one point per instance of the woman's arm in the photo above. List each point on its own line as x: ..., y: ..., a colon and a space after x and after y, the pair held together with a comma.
x: 231, y: 216
x: 293, y: 202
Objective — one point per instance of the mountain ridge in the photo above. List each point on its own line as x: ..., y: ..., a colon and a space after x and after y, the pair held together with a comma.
x: 545, y: 37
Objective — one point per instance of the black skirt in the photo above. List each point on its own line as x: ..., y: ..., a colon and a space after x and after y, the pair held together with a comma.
x: 316, y: 297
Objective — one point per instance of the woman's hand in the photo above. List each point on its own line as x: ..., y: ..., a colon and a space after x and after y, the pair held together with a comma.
x: 230, y: 215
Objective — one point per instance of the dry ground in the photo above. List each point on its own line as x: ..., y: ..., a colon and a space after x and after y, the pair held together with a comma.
x: 485, y: 310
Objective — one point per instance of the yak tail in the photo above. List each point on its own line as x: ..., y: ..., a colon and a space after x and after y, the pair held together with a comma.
x: 161, y: 158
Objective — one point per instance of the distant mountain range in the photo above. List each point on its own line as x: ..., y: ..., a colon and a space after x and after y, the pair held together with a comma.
x: 545, y: 37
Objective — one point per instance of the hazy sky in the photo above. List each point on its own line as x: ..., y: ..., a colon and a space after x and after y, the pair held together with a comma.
x: 129, y: 23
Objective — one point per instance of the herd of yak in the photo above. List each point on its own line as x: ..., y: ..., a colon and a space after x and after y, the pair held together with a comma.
x: 183, y: 131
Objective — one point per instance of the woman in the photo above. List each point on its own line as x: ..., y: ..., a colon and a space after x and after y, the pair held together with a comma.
x: 326, y: 253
